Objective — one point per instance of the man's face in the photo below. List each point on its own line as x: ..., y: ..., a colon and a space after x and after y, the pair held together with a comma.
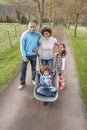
x: 32, y: 27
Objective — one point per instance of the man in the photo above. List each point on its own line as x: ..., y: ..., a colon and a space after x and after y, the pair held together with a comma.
x: 29, y: 46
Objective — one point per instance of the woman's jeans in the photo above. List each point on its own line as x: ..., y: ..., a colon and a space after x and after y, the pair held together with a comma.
x: 48, y: 62
x: 32, y: 60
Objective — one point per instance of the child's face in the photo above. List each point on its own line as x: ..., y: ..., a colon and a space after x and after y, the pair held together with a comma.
x: 61, y: 48
x: 46, y: 73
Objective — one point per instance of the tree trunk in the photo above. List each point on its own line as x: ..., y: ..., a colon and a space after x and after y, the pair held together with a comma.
x: 41, y: 12
x: 50, y: 14
x: 76, y: 24
x: 50, y: 17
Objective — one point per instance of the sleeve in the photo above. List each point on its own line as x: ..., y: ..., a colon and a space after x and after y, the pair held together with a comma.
x: 57, y: 46
x: 38, y: 72
x: 39, y: 41
x: 53, y: 73
x: 22, y: 46
x: 63, y: 63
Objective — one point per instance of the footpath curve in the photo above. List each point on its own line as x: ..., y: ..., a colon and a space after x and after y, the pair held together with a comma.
x: 20, y: 111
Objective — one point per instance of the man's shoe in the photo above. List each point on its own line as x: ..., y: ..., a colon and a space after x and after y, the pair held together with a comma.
x: 33, y: 82
x: 21, y: 87
x: 61, y: 87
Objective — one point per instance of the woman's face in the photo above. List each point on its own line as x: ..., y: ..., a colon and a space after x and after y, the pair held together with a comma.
x: 46, y: 35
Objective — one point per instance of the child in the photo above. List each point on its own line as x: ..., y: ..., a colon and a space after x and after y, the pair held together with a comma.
x: 61, y: 65
x: 45, y: 85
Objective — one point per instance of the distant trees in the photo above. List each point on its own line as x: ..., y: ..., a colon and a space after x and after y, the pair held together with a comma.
x: 7, y: 13
x: 80, y: 8
x: 40, y: 5
x: 29, y: 8
x: 52, y: 11
x: 37, y: 10
x: 75, y: 10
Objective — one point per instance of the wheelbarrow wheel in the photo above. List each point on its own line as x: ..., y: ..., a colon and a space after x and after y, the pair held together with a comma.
x: 45, y: 103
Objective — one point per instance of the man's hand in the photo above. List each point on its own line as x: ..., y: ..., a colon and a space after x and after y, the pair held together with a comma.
x: 25, y: 59
x: 35, y: 50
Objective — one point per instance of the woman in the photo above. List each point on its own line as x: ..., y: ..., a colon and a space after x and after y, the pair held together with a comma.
x: 47, y: 46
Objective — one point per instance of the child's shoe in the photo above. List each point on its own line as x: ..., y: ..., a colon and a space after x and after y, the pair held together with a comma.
x: 61, y: 87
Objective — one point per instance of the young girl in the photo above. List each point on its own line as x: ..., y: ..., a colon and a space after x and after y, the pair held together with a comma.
x: 61, y: 57
x: 45, y: 85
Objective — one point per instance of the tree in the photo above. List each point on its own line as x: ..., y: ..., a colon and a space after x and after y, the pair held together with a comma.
x: 52, y: 9
x: 40, y: 4
x: 27, y: 6
x: 79, y: 9
x: 75, y: 9
x: 68, y: 12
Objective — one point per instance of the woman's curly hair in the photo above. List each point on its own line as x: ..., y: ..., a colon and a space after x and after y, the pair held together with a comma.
x: 46, y: 29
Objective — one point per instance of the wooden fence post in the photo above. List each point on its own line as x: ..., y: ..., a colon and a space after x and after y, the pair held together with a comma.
x: 19, y: 30
x: 9, y: 39
x: 15, y: 31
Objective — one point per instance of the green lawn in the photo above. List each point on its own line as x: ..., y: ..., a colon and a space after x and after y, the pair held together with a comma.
x: 15, y: 30
x: 10, y: 58
x: 9, y: 65
x: 79, y: 46
x: 4, y: 2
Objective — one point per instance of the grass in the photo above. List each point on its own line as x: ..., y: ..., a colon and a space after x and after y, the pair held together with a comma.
x: 9, y: 57
x: 79, y: 46
x: 4, y: 2
x: 15, y: 30
x: 9, y: 65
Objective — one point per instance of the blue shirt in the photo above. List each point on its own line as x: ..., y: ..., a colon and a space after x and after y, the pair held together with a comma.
x: 28, y: 42
x: 45, y: 80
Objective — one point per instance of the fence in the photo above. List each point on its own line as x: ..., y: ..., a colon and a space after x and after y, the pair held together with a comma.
x: 10, y: 34
x: 80, y: 28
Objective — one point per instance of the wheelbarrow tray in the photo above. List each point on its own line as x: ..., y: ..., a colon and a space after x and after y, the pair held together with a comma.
x: 44, y: 98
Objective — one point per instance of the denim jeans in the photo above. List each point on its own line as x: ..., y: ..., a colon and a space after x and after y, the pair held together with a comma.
x: 32, y: 60
x: 48, y: 62
x: 47, y: 91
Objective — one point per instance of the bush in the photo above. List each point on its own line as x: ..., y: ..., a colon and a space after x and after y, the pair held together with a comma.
x: 8, y: 20
x: 23, y: 20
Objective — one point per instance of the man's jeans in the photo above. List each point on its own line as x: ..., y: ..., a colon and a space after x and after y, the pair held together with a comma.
x: 32, y: 60
x: 48, y: 62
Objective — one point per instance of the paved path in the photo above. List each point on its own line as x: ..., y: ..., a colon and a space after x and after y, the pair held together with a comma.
x: 20, y: 111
